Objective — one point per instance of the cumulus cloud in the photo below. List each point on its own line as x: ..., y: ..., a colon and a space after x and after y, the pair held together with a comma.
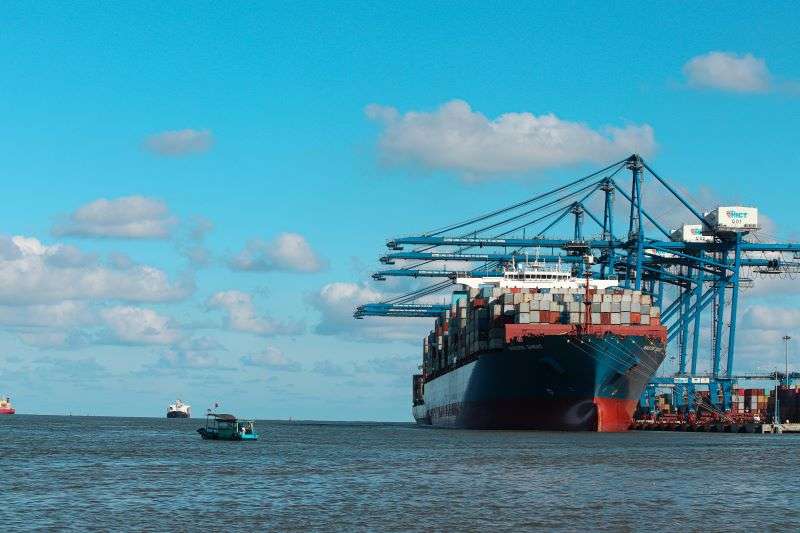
x: 56, y: 338
x: 57, y: 315
x: 771, y: 318
x: 196, y: 353
x: 241, y: 315
x: 271, y: 358
x: 128, y: 217
x: 454, y: 137
x: 180, y: 142
x: 398, y: 365
x: 191, y: 242
x: 336, y: 303
x: 34, y: 273
x: 136, y: 325
x: 330, y: 369
x: 728, y: 71
x: 288, y: 252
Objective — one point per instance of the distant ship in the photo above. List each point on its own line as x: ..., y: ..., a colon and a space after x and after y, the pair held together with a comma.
x: 179, y: 410
x: 5, y: 406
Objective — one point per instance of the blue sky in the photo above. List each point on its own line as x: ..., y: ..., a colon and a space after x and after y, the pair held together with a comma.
x: 125, y: 304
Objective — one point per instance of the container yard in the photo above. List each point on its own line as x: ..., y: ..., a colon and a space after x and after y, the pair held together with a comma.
x: 575, y: 340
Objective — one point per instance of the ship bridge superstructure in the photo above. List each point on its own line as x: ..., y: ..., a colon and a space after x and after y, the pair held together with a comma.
x: 536, y: 274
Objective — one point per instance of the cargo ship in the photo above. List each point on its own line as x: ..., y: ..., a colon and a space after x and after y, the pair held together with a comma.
x: 179, y: 410
x: 539, y: 348
x: 5, y: 406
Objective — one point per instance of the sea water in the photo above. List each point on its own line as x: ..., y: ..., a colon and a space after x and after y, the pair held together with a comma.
x: 94, y: 473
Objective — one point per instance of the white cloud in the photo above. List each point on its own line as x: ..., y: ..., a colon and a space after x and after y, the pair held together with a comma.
x: 729, y: 72
x: 771, y: 318
x: 288, y: 252
x: 136, y: 325
x: 128, y: 217
x: 192, y: 354
x: 56, y: 338
x: 241, y: 315
x: 397, y: 365
x: 454, y: 137
x: 190, y: 243
x: 330, y: 369
x: 58, y: 315
x: 33, y: 273
x: 273, y: 359
x: 180, y: 142
x: 336, y: 303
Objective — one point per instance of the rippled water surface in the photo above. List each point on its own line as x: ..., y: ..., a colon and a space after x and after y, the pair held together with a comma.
x: 87, y: 473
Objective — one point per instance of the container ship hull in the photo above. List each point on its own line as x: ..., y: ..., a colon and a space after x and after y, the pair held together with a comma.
x: 177, y: 414
x: 550, y: 382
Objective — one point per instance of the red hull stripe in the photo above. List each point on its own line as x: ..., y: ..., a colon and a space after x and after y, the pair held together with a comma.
x: 518, y: 332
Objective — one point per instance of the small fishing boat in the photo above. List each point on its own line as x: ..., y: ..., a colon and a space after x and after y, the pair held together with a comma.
x: 227, y: 427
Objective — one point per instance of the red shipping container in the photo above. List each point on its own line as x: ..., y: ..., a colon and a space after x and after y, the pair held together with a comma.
x: 605, y: 319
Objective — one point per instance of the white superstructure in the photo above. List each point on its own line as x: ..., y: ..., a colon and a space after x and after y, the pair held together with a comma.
x: 179, y: 408
x: 537, y: 274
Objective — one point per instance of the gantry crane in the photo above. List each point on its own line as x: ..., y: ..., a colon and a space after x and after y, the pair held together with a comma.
x: 686, y: 275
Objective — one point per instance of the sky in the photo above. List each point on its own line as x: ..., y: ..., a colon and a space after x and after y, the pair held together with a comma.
x: 197, y: 193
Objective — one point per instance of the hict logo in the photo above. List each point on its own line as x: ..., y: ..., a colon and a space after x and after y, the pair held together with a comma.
x: 736, y: 214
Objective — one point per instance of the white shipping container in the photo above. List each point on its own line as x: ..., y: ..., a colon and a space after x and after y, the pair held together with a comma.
x: 733, y: 218
x: 691, y: 233
x: 534, y: 317
x: 522, y: 318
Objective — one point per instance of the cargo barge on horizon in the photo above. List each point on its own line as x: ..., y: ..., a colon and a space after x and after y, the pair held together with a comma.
x: 539, y: 348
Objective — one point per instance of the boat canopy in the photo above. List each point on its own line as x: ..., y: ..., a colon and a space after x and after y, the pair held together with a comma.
x: 224, y: 417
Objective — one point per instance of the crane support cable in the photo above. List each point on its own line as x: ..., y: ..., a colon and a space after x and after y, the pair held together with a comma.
x: 595, y: 186
x: 523, y: 203
x: 675, y: 194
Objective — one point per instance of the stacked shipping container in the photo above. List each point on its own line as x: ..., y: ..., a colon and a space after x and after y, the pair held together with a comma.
x: 477, y: 317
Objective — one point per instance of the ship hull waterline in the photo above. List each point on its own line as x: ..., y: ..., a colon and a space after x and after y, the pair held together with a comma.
x: 561, y: 383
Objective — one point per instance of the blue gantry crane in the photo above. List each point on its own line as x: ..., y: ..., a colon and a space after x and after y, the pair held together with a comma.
x: 692, y: 272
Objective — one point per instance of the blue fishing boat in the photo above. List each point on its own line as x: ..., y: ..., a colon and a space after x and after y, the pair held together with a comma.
x: 227, y: 427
